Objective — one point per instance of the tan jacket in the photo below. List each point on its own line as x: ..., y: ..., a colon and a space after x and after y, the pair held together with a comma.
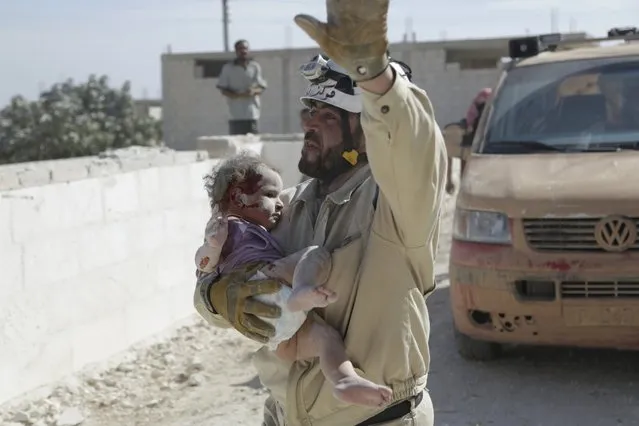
x: 382, y: 260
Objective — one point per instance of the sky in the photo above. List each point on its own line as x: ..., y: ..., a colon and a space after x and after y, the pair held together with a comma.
x: 46, y: 41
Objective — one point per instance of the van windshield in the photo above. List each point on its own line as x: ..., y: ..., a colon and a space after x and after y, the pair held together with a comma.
x: 578, y: 105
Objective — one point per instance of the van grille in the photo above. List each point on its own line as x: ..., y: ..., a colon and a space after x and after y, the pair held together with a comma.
x: 562, y: 234
x: 599, y: 289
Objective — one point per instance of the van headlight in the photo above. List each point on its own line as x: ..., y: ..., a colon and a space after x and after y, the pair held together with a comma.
x: 481, y: 227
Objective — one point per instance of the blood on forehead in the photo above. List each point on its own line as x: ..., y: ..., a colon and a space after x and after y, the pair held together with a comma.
x: 251, y: 183
x: 258, y: 179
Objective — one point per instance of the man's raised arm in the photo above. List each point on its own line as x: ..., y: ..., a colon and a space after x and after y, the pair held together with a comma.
x: 407, y: 155
x: 404, y: 146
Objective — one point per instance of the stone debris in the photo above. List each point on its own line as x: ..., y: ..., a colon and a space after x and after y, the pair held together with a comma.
x: 149, y: 380
x: 70, y: 417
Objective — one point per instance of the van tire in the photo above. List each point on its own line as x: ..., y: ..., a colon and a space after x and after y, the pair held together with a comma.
x: 476, y: 350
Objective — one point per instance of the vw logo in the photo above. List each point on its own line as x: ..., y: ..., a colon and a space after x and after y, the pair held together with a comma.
x: 615, y: 233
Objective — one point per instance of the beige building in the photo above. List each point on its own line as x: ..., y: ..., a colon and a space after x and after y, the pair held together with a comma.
x: 451, y: 71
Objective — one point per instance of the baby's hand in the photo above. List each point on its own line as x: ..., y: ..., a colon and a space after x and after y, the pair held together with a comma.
x: 217, y: 231
x: 208, y: 255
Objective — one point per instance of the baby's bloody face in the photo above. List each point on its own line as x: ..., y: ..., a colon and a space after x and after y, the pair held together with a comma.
x: 264, y: 206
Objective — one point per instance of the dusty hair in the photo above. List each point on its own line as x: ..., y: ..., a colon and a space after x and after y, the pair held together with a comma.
x: 243, y: 170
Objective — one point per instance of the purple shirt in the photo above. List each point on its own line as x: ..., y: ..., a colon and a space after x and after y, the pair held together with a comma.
x: 247, y: 242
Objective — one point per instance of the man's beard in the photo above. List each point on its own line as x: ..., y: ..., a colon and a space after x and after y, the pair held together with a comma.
x: 327, y: 166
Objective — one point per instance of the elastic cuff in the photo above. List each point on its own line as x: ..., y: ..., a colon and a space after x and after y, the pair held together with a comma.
x: 384, y: 107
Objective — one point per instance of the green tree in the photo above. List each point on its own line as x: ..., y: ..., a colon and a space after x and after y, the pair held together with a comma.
x: 73, y: 120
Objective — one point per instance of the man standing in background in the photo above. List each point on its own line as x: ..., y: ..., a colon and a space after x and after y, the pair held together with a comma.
x: 241, y: 82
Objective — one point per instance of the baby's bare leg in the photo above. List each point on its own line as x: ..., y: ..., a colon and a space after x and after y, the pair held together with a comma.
x: 310, y: 274
x: 320, y: 340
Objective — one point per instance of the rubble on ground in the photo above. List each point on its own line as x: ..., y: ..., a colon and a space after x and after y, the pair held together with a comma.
x: 146, y: 383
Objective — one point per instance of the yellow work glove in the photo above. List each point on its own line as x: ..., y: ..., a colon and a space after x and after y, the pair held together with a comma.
x: 232, y: 298
x: 354, y: 36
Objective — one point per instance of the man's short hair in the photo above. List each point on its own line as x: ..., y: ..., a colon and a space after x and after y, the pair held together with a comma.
x: 240, y: 41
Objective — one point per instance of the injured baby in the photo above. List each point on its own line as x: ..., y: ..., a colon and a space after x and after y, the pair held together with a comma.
x: 245, y: 198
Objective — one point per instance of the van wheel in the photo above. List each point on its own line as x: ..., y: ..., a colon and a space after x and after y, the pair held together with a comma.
x: 476, y: 350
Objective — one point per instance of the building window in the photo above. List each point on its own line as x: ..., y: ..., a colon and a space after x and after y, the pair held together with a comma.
x: 478, y: 63
x: 473, y: 59
x: 209, y: 68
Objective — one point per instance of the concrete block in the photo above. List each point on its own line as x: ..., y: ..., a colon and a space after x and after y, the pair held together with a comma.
x: 141, y: 275
x: 34, y: 175
x: 202, y: 155
x: 29, y: 315
x: 28, y: 366
x: 6, y: 232
x: 149, y: 191
x: 186, y: 223
x: 175, y: 184
x: 290, y: 137
x: 41, y: 210
x: 120, y: 195
x: 100, y: 167
x: 47, y: 260
x: 164, y: 158
x: 8, y: 179
x: 101, y: 246
x: 100, y: 292
x: 187, y: 157
x: 118, y: 241
x: 68, y: 170
x: 146, y: 234
x: 133, y: 164
x: 97, y: 340
x: 284, y: 157
x: 148, y: 317
x: 11, y: 269
x: 181, y: 274
x: 181, y: 300
x: 225, y: 146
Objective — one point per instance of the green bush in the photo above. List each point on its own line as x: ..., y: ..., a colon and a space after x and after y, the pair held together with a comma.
x: 73, y: 120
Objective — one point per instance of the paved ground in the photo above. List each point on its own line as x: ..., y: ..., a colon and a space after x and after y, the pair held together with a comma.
x: 529, y: 386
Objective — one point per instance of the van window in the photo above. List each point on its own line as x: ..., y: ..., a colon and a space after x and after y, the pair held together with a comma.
x: 567, y: 104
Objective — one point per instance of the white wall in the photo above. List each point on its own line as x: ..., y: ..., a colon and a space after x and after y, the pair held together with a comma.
x: 193, y: 107
x: 95, y: 255
x: 282, y: 152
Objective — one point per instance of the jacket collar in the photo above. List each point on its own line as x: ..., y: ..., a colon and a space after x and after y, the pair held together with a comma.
x: 308, y: 192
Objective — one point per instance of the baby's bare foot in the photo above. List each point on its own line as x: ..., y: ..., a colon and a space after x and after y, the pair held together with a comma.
x: 307, y: 298
x: 359, y: 391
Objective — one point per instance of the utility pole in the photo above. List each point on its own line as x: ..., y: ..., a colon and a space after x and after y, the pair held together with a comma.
x: 225, y: 24
x: 554, y: 20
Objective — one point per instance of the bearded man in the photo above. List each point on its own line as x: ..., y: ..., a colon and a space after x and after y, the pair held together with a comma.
x: 377, y: 160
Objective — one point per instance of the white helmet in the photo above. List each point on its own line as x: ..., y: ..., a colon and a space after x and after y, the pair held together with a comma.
x: 331, y: 84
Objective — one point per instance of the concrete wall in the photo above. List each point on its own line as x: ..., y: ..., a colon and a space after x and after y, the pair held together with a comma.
x: 282, y: 152
x: 95, y: 254
x: 193, y: 107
